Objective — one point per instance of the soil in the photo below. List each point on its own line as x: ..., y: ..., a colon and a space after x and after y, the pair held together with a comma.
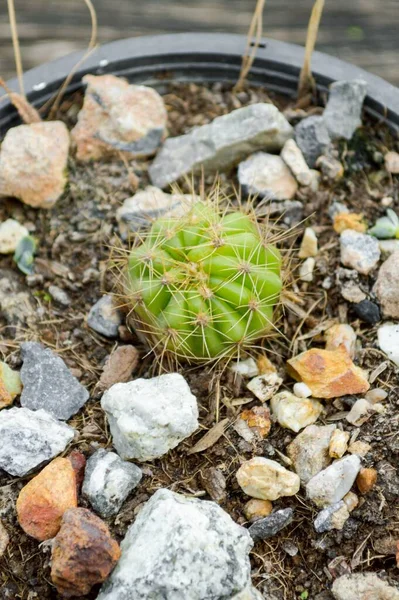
x: 73, y: 247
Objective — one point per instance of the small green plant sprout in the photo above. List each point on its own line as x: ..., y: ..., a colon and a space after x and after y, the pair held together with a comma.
x: 24, y: 254
x: 203, y: 286
x: 386, y: 227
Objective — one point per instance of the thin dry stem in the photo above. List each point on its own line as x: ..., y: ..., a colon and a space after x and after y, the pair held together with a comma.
x: 15, y: 45
x: 25, y: 110
x: 254, y: 37
x: 306, y: 83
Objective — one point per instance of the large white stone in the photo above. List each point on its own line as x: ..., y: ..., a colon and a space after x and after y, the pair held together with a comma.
x: 222, y: 143
x: 149, y: 417
x: 333, y: 483
x: 267, y: 176
x: 359, y: 251
x: 309, y: 450
x: 182, y: 549
x: 266, y: 479
x: 293, y: 412
x: 388, y: 341
x: 29, y: 439
x: 363, y: 586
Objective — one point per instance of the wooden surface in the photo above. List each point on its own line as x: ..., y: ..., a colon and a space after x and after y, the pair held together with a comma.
x: 364, y: 32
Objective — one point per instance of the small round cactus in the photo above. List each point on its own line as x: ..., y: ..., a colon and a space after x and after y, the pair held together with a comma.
x: 203, y: 286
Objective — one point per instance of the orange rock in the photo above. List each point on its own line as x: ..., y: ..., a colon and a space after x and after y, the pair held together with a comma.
x: 258, y: 418
x: 43, y: 501
x: 257, y: 509
x: 84, y: 553
x: 328, y: 373
x: 119, y: 367
x: 78, y: 462
x: 366, y: 479
x: 265, y: 366
x: 354, y: 221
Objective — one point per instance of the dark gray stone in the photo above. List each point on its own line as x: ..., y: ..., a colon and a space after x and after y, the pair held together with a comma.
x: 221, y: 144
x: 48, y: 383
x: 342, y: 114
x: 312, y: 137
x: 367, y: 311
x: 29, y: 439
x: 108, y: 481
x: 104, y: 317
x: 272, y: 524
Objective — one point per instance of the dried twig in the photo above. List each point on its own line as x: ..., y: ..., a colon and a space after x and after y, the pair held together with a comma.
x: 306, y: 82
x: 253, y: 40
x: 15, y: 45
x: 25, y: 110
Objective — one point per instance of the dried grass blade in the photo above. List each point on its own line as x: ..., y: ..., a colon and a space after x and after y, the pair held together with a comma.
x: 252, y: 46
x: 210, y: 438
x: 25, y: 110
x: 306, y: 81
x: 15, y: 45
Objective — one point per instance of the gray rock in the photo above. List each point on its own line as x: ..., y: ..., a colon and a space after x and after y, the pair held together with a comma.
x: 29, y: 439
x: 140, y: 210
x: 359, y: 251
x: 270, y: 525
x: 363, y: 586
x: 342, y: 114
x: 387, y: 286
x: 266, y: 176
x: 337, y: 208
x: 330, y: 517
x: 104, y: 317
x: 333, y: 483
x: 290, y: 212
x: 312, y: 137
x: 309, y: 450
x: 148, y: 417
x: 221, y: 144
x: 59, y: 295
x: 48, y: 383
x: 250, y: 593
x: 16, y: 305
x: 182, y: 549
x: 108, y: 481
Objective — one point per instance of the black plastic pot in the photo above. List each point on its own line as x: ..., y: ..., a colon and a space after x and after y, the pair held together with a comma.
x: 155, y: 60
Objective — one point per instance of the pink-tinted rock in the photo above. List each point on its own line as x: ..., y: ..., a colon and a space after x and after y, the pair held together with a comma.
x: 43, y: 501
x: 84, y: 553
x: 387, y: 286
x: 33, y: 162
x: 119, y: 367
x: 78, y: 462
x: 118, y: 117
x: 328, y: 373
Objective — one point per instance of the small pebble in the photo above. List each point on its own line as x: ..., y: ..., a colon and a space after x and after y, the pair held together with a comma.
x: 367, y: 311
x: 59, y: 295
x: 333, y: 483
x: 306, y: 270
x: 215, y: 483
x: 347, y: 220
x: 4, y: 539
x: 301, y: 390
x: 11, y: 233
x: 104, y: 317
x: 295, y: 160
x: 351, y: 500
x: 359, y: 448
x: 392, y: 162
x: 359, y: 251
x: 271, y: 525
x: 376, y: 395
x: 245, y: 368
x: 338, y: 443
x: 309, y: 244
x: 386, y: 287
x: 266, y: 479
x: 257, y: 509
x: 330, y: 167
x: 341, y: 337
x: 295, y: 413
x: 388, y: 341
x: 332, y: 517
x: 361, y: 412
x: 265, y: 386
x: 366, y: 480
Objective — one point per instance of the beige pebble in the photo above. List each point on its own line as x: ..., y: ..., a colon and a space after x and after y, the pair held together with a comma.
x: 338, y: 443
x: 266, y: 479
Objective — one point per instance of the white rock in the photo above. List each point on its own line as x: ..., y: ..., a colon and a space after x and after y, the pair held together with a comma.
x: 351, y: 500
x: 376, y: 395
x: 149, y: 417
x: 266, y: 479
x: 333, y: 483
x: 309, y: 450
x: 308, y: 244
x: 388, y: 341
x: 293, y: 412
x: 267, y: 176
x: 363, y: 586
x: 246, y: 368
x: 29, y: 439
x: 182, y: 549
x: 338, y: 443
x: 359, y: 251
x: 224, y: 142
x: 341, y: 336
x: 361, y: 411
x: 265, y: 386
x: 108, y: 481
x: 360, y: 448
x: 250, y: 593
x: 301, y: 390
x: 294, y: 159
x: 140, y: 210
x: 11, y: 233
x: 388, y: 246
x: 306, y: 270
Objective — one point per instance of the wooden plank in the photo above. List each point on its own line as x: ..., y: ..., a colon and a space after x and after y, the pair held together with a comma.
x: 363, y: 32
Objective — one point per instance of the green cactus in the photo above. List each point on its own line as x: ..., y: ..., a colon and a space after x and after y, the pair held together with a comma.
x: 204, y: 285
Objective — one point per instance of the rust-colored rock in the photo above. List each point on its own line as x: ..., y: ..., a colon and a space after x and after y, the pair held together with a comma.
x: 119, y: 367
x: 33, y: 162
x: 84, y: 553
x: 366, y: 480
x: 353, y: 221
x: 118, y: 117
x: 258, y: 419
x: 257, y: 509
x: 328, y: 373
x: 78, y: 462
x: 43, y: 501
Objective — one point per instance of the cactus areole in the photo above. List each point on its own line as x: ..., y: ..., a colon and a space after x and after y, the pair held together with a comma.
x: 204, y: 286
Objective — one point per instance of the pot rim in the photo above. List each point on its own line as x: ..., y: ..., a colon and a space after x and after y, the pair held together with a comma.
x: 159, y: 59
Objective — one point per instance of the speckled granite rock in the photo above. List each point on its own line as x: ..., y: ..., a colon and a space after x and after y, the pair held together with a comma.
x: 108, y: 481
x: 182, y: 549
x: 48, y: 383
x: 29, y: 439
